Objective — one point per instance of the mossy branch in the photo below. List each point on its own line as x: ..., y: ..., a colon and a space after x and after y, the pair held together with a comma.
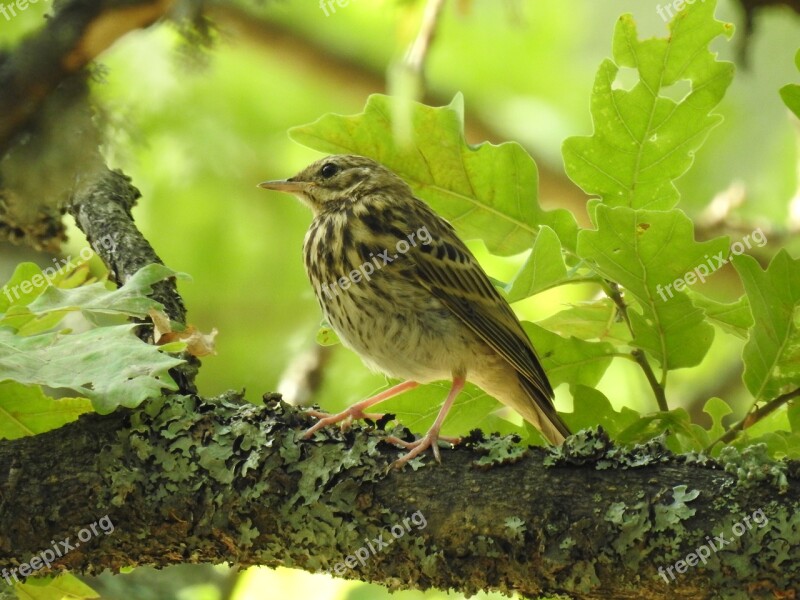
x: 186, y: 479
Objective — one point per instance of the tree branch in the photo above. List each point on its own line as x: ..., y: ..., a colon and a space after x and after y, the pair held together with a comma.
x: 184, y: 479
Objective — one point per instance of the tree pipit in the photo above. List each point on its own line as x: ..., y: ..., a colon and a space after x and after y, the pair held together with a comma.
x: 401, y: 289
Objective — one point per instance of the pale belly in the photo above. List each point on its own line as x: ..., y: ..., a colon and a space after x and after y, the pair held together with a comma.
x: 424, y: 345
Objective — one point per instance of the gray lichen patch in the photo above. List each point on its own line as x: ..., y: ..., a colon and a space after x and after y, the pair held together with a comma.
x: 496, y: 449
x: 594, y: 446
x: 263, y: 493
x: 754, y: 467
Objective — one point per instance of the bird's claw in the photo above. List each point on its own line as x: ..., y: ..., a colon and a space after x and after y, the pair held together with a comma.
x: 346, y: 418
x: 417, y: 447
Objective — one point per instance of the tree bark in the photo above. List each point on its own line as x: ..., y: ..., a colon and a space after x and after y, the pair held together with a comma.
x: 186, y: 479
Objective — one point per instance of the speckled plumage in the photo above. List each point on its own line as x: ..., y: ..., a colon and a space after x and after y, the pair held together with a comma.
x: 427, y: 311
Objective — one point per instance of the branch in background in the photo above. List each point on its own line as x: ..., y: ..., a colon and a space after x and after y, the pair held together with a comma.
x: 719, y: 218
x: 101, y: 206
x: 303, y: 375
x: 47, y: 132
x: 77, y: 33
x: 186, y: 479
x: 750, y: 7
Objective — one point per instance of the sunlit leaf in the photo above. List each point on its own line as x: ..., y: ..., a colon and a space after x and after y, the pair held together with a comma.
x: 487, y: 192
x: 25, y: 410
x: 597, y: 320
x: 63, y: 587
x: 642, y: 140
x: 772, y: 353
x: 654, y: 256
x: 733, y: 317
x: 591, y: 408
x: 570, y: 360
x: 93, y: 300
x: 790, y: 93
x: 717, y: 409
x: 544, y: 268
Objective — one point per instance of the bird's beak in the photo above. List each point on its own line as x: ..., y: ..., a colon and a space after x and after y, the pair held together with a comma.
x: 285, y: 185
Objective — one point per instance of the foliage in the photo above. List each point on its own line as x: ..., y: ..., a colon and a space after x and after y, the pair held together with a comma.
x: 107, y: 364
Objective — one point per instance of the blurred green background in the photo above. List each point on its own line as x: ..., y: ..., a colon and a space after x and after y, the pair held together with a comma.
x: 198, y: 129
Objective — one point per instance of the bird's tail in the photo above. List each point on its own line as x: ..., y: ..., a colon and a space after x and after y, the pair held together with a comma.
x: 538, y: 409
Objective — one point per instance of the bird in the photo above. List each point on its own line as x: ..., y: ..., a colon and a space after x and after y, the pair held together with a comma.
x: 400, y: 288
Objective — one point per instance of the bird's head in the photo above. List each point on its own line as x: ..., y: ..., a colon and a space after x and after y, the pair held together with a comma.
x: 340, y: 179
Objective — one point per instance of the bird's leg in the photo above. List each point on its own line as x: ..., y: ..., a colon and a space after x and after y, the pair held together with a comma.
x: 357, y: 410
x: 430, y: 439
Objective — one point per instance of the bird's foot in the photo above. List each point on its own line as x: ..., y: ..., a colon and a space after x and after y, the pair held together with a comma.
x: 346, y: 418
x: 417, y: 447
x: 357, y: 410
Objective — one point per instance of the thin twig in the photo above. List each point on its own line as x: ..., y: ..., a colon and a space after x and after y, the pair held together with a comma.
x: 752, y: 418
x: 613, y: 292
x: 658, y: 389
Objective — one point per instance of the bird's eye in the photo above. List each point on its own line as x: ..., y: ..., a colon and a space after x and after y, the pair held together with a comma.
x: 328, y: 170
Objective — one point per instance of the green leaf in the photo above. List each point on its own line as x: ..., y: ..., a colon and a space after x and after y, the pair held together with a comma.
x: 25, y: 410
x: 326, y: 336
x: 790, y: 93
x: 93, y: 301
x: 20, y: 290
x: 596, y: 320
x: 544, y: 268
x: 591, y: 408
x: 417, y: 410
x: 772, y: 352
x: 652, y: 254
x: 642, y: 140
x: 488, y: 191
x: 63, y: 587
x: 570, y: 360
x: 675, y: 421
x: 717, y: 409
x: 734, y: 317
x: 108, y: 365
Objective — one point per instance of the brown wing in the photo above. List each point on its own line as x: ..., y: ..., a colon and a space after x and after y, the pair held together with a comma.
x: 449, y: 271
